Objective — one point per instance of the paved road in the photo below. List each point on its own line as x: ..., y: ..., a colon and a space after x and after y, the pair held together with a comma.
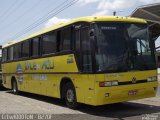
x: 158, y: 92
x: 26, y: 103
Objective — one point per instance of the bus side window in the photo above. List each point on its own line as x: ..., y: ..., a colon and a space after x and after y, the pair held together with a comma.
x: 77, y: 48
x: 65, y: 44
x: 10, y: 53
x: 49, y: 43
x: 35, y: 47
x: 25, y: 49
x: 77, y: 34
x: 17, y: 51
x: 58, y: 34
x: 86, y: 50
x: 4, y: 55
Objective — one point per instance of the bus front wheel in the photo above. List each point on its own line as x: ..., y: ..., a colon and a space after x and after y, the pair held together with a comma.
x: 70, y: 96
x: 14, y: 87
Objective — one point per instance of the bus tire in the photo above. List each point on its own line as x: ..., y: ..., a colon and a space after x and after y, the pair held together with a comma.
x: 70, y: 96
x: 14, y: 87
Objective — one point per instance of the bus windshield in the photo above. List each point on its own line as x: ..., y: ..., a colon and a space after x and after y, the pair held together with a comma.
x: 123, y: 47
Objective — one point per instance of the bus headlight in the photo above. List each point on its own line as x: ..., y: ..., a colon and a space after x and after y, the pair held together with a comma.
x: 154, y: 78
x: 108, y: 83
x: 114, y: 83
x: 151, y: 79
x: 105, y: 84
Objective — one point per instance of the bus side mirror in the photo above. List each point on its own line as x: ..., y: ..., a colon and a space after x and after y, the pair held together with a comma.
x: 92, y: 34
x: 135, y: 52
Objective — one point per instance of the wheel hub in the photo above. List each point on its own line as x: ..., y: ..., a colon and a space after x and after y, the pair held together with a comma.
x: 14, y: 87
x: 70, y: 95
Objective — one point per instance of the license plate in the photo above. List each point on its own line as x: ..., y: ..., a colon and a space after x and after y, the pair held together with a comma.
x: 132, y: 92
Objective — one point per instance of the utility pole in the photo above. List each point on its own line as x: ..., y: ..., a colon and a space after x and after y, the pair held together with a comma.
x: 114, y: 13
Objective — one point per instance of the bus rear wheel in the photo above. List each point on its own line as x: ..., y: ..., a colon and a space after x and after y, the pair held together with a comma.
x: 14, y: 87
x: 70, y: 96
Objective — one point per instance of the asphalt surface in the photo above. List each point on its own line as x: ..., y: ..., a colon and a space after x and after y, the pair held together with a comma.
x: 26, y: 103
x: 158, y: 92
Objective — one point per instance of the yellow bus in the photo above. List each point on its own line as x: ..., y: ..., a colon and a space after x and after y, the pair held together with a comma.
x: 91, y: 60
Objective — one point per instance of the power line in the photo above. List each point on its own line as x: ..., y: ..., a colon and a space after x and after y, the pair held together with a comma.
x: 10, y: 12
x: 23, y: 14
x: 39, y: 19
x: 48, y: 13
x: 8, y: 9
x: 42, y: 20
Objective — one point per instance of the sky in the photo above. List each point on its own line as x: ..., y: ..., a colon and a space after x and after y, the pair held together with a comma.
x: 19, y: 16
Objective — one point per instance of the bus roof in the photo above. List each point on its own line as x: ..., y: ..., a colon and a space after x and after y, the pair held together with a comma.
x: 81, y: 19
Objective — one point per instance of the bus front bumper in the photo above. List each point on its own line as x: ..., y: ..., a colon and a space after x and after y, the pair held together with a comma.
x: 115, y: 94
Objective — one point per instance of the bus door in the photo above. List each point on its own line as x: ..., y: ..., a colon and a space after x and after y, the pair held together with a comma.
x: 85, y: 58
